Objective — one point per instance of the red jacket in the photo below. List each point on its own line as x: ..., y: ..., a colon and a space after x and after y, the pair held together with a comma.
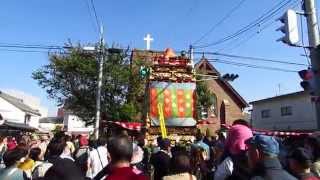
x: 125, y: 173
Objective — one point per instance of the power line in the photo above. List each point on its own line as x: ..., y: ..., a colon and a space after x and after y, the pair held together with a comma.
x: 222, y: 20
x: 262, y: 19
x: 32, y: 47
x: 245, y: 39
x: 95, y: 28
x: 252, y: 58
x: 250, y: 65
x: 95, y: 13
x: 252, y: 35
x: 19, y: 50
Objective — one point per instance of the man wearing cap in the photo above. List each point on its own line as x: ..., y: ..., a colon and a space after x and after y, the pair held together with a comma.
x: 263, y: 159
x: 300, y: 161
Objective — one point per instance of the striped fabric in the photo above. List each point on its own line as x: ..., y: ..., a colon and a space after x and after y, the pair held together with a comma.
x: 178, y: 100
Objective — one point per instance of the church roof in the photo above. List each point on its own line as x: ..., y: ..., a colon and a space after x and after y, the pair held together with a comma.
x: 18, y: 103
x: 205, y: 65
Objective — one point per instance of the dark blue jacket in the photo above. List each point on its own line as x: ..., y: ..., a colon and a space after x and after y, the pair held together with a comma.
x: 271, y: 169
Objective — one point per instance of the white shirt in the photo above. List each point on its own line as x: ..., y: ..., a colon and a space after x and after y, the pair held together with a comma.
x: 98, y: 159
x: 224, y: 169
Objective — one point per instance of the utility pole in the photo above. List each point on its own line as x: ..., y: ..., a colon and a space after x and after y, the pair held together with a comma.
x: 313, y: 37
x: 101, y: 52
x: 191, y: 55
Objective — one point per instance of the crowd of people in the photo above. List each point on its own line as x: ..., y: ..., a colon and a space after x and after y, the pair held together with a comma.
x: 237, y: 154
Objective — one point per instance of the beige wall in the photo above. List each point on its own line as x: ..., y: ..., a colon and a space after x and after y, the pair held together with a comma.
x: 303, y: 113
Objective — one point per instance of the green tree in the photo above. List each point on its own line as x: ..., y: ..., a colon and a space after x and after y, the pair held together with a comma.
x: 205, y: 98
x: 71, y: 80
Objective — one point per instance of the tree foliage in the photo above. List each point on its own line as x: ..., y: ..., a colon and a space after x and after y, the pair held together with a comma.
x: 204, y: 97
x: 71, y: 80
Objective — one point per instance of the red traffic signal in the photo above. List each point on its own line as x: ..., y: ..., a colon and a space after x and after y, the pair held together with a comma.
x: 306, y: 74
x: 307, y: 77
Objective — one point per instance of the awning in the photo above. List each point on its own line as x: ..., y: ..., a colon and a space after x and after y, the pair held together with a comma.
x: 19, y: 126
x: 136, y: 126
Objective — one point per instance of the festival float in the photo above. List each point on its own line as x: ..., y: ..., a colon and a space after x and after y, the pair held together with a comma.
x: 171, y: 97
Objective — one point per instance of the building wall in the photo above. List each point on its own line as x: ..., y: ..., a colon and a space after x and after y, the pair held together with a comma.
x: 303, y: 114
x: 10, y: 112
x: 34, y: 121
x: 33, y: 102
x: 13, y: 114
x: 232, y: 109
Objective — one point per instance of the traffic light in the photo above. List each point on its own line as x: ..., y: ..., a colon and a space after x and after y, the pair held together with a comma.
x: 307, y: 79
x: 230, y: 77
x: 289, y: 28
x: 144, y: 71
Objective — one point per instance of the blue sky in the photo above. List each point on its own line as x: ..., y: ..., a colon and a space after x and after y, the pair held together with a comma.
x: 172, y: 23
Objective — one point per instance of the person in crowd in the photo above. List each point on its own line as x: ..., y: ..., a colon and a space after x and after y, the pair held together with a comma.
x: 67, y: 152
x: 180, y: 167
x: 300, y: 161
x: 312, y: 143
x: 161, y: 160
x: 44, y: 141
x: 28, y: 163
x: 40, y: 167
x: 209, y: 139
x: 11, y: 143
x: 11, y: 160
x: 3, y: 149
x: 99, y: 156
x: 120, y: 149
x: 70, y: 144
x: 157, y: 147
x: 34, y: 141
x: 263, y: 159
x: 82, y: 156
x: 198, y: 164
x: 137, y: 157
x: 234, y: 161
x: 141, y: 142
x: 62, y: 168
x: 199, y: 143
x: 75, y: 140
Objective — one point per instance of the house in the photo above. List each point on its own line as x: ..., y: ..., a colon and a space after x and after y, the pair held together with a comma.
x: 31, y: 101
x: 15, y: 112
x: 73, y: 123
x: 228, y: 103
x: 294, y: 111
x: 50, y: 123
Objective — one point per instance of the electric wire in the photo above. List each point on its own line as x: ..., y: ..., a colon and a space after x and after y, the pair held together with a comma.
x: 221, y: 21
x: 262, y: 19
x: 252, y: 58
x: 251, y: 65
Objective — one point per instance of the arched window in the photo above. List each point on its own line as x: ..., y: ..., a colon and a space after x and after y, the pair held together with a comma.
x: 213, y: 109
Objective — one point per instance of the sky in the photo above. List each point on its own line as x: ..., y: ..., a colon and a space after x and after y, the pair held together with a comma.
x: 172, y: 23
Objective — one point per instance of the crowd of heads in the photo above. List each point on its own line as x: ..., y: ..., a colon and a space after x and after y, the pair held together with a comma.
x: 233, y: 154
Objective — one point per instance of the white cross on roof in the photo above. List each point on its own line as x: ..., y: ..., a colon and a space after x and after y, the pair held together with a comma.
x: 148, y: 40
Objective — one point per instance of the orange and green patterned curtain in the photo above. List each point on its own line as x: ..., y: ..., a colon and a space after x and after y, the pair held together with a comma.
x: 178, y: 100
